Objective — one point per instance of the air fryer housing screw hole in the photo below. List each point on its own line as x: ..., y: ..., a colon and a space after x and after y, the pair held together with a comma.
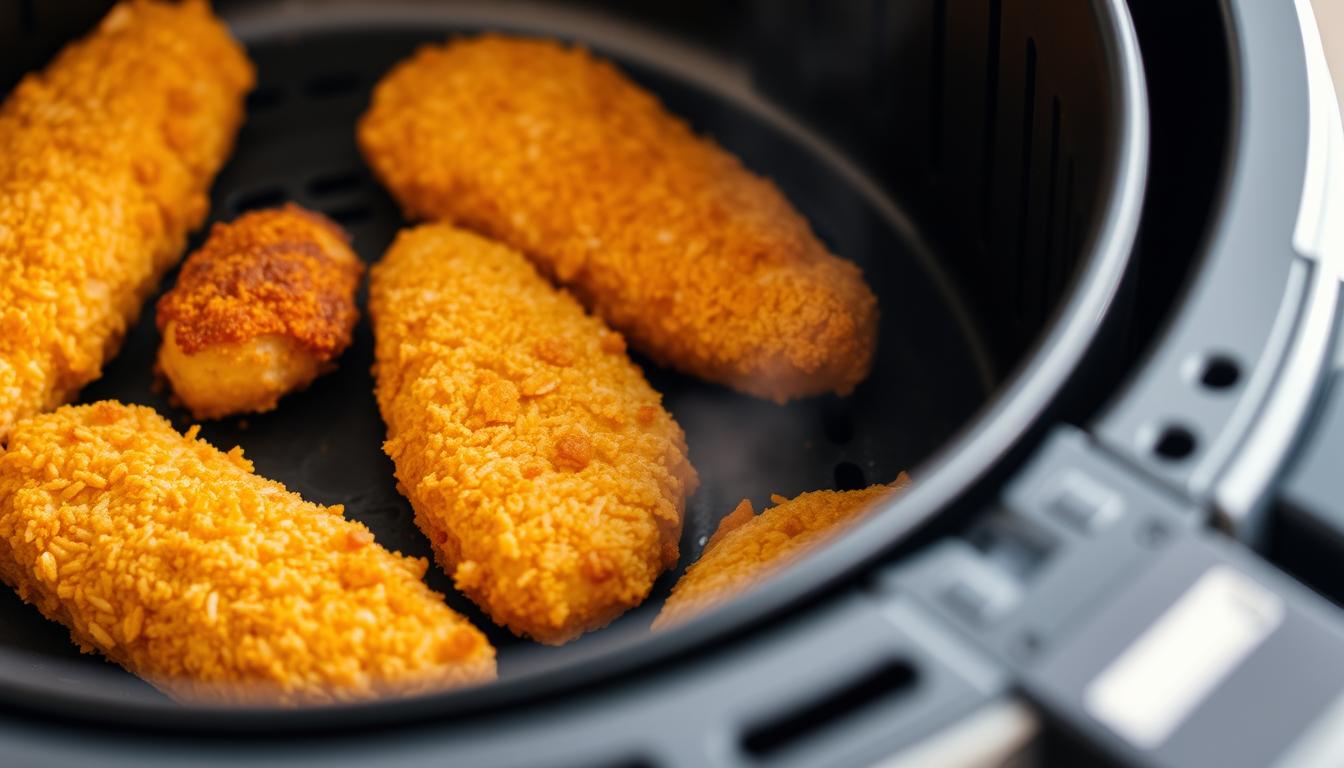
x: 1175, y: 443
x: 1220, y: 372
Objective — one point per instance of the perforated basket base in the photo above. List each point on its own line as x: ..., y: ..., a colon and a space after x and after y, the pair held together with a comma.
x: 325, y: 443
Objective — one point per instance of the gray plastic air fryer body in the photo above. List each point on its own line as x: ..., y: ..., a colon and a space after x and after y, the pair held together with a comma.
x: 1098, y: 233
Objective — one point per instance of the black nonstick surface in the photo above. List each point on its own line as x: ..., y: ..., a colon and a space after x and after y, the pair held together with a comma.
x: 325, y: 443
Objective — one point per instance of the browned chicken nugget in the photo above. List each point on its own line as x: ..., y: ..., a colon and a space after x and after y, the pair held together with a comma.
x: 214, y: 584
x: 539, y: 461
x: 748, y: 548
x: 105, y: 160
x: 701, y: 263
x: 262, y: 309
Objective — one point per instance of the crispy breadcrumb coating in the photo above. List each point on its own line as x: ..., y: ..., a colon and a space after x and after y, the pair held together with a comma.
x: 704, y: 265
x: 748, y: 548
x: 539, y: 461
x: 263, y: 308
x: 174, y: 560
x: 105, y: 160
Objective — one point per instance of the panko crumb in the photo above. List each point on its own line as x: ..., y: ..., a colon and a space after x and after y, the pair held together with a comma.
x: 540, y: 464
x: 261, y: 310
x: 107, y: 156
x: 748, y: 548
x: 214, y: 584
x: 702, y: 264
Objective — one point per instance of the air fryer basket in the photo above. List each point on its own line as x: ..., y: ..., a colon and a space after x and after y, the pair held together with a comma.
x: 981, y: 160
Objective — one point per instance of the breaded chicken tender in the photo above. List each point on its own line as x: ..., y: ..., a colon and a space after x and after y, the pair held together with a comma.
x: 704, y: 265
x: 261, y: 310
x: 216, y: 585
x: 748, y: 548
x: 105, y: 160
x: 539, y: 462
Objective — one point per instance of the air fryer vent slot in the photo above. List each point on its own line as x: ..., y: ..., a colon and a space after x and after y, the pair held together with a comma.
x: 1024, y: 197
x: 885, y: 683
x: 992, y: 58
x: 1052, y: 274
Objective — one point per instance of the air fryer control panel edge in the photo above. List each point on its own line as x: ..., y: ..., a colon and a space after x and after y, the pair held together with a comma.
x: 1088, y: 626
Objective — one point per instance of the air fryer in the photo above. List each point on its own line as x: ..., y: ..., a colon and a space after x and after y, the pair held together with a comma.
x: 1045, y: 197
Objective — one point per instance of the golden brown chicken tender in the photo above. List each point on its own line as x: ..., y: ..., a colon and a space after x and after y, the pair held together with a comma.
x: 539, y: 461
x: 262, y: 309
x: 701, y: 263
x: 105, y: 160
x: 747, y: 548
x: 174, y: 560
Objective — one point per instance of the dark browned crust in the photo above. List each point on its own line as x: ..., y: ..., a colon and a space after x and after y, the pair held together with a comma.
x: 284, y: 271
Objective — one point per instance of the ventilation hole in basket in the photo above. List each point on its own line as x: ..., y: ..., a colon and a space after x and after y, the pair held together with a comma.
x: 838, y: 425
x: 1220, y: 372
x: 332, y: 85
x: 335, y: 184
x: 264, y: 99
x: 350, y: 215
x: 1175, y: 443
x: 251, y: 200
x: 883, y: 685
x: 849, y: 476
